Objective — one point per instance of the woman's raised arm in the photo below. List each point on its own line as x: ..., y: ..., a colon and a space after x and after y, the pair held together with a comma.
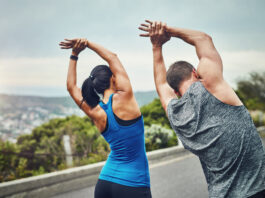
x: 74, y: 91
x: 122, y: 81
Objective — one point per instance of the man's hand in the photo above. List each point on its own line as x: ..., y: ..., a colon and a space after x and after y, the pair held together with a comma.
x: 156, y: 32
x: 77, y: 45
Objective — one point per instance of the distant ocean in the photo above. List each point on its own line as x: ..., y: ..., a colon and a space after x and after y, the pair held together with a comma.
x: 46, y: 91
x: 34, y: 91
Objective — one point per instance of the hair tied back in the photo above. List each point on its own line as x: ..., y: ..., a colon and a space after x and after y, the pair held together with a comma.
x: 91, y: 77
x: 101, y: 96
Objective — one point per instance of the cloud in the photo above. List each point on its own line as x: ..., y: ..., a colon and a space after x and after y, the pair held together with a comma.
x: 52, y: 72
x: 33, y: 28
x: 239, y: 64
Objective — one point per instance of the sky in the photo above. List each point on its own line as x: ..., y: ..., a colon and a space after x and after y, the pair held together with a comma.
x: 31, y: 62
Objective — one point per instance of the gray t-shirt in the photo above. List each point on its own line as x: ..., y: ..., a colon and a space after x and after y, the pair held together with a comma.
x: 225, y: 140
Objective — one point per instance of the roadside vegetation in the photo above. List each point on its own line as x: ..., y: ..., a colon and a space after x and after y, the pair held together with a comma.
x: 42, y: 151
x: 251, y: 91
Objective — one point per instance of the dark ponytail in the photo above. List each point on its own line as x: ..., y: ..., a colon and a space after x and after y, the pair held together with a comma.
x: 96, y: 84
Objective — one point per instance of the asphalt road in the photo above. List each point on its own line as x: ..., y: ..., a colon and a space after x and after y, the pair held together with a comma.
x: 176, y: 178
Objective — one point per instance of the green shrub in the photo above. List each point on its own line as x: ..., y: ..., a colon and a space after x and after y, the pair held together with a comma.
x: 258, y: 118
x: 157, y: 137
x: 154, y: 113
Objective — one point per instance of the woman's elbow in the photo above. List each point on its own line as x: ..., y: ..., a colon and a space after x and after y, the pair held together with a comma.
x: 112, y: 56
x: 69, y: 88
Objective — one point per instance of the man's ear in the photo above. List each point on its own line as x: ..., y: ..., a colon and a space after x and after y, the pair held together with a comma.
x: 177, y: 93
x: 195, y: 74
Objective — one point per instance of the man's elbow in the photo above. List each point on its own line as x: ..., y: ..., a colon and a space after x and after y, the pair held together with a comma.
x: 202, y: 39
x: 205, y: 37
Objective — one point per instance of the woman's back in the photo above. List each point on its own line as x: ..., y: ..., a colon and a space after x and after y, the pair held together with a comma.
x: 125, y: 173
x: 127, y: 163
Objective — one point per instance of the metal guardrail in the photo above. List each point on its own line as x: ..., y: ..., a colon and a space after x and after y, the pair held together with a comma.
x: 59, y: 182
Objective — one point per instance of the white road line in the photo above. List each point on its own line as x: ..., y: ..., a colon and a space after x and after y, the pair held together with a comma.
x: 170, y: 161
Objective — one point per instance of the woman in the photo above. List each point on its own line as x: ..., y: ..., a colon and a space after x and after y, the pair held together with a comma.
x: 107, y: 98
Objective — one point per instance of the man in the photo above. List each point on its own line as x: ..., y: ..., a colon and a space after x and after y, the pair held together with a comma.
x: 208, y: 116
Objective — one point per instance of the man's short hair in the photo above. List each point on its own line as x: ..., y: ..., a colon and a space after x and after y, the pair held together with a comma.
x: 177, y: 73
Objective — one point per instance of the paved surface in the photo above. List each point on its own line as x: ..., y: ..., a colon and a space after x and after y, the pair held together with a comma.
x: 177, y: 178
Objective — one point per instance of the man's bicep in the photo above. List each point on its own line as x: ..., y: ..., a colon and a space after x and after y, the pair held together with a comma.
x: 205, y: 47
x: 210, y: 68
x: 210, y: 71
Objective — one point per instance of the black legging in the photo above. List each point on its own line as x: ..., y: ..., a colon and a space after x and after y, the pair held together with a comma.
x: 260, y: 194
x: 106, y: 189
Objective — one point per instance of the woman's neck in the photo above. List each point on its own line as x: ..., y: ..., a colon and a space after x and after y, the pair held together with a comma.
x: 107, y: 94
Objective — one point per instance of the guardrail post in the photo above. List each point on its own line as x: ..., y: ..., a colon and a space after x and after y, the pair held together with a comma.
x: 68, y: 152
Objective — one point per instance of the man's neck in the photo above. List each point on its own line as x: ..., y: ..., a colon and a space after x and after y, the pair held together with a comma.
x: 185, y: 85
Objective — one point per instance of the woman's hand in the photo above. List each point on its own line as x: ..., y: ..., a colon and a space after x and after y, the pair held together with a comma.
x: 156, y: 32
x: 77, y: 45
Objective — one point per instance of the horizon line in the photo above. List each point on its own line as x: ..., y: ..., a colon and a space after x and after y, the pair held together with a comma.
x: 53, y: 96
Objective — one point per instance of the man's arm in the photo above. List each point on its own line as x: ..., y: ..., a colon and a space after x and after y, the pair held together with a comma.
x: 165, y: 92
x: 158, y: 38
x: 210, y: 68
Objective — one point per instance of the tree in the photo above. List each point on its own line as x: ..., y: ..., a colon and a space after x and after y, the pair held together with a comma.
x: 252, y: 91
x: 42, y: 151
x: 154, y: 113
x: 8, y: 161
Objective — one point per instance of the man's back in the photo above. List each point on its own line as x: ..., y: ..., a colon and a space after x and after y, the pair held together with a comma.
x: 211, y: 123
x: 224, y: 138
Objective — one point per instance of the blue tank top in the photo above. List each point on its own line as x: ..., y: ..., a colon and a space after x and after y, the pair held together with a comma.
x: 127, y: 162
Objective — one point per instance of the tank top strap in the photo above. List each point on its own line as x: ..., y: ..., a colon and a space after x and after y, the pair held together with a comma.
x: 110, y: 101
x: 112, y: 124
